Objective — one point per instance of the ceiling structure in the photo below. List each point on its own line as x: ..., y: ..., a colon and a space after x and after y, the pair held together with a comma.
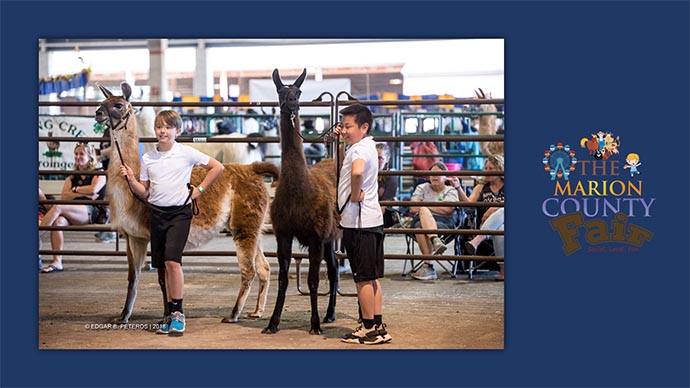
x: 440, y: 66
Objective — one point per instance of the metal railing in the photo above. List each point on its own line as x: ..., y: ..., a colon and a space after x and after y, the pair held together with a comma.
x: 334, y: 105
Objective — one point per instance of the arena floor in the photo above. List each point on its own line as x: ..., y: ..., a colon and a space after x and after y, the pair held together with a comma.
x: 76, y: 305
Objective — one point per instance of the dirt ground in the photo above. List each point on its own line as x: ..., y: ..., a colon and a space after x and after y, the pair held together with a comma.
x: 76, y: 305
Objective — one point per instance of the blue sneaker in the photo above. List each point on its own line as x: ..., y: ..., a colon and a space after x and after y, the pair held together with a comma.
x: 164, y: 327
x: 176, y: 324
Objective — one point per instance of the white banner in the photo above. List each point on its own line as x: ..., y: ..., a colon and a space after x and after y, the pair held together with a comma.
x: 265, y: 90
x: 60, y: 155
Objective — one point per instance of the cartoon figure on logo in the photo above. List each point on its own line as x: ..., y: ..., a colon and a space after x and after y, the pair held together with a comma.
x: 610, y: 146
x: 559, y: 161
x: 632, y: 160
x: 601, y: 145
x: 592, y: 146
x: 601, y: 139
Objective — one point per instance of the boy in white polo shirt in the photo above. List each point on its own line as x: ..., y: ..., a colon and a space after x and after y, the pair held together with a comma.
x: 165, y: 173
x: 362, y: 221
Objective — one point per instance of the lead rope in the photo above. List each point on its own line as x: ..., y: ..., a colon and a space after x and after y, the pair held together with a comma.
x: 122, y: 161
x: 117, y: 146
x: 195, y: 207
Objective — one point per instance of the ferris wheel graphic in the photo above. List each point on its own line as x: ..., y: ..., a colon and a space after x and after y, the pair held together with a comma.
x: 559, y: 161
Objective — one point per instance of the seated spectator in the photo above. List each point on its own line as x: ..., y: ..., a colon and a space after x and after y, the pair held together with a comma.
x: 490, y: 218
x: 76, y: 186
x: 423, y: 162
x: 42, y: 210
x: 388, y: 184
x: 435, y: 217
x: 493, y: 222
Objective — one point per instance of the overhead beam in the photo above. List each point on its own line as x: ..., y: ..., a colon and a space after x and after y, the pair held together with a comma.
x: 108, y: 44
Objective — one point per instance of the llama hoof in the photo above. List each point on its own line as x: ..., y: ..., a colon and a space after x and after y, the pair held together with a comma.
x: 328, y: 319
x: 270, y: 330
x: 119, y: 320
x: 316, y: 331
x: 255, y: 315
x: 229, y: 320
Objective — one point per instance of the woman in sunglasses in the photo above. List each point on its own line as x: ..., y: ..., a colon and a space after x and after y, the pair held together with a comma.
x: 77, y: 186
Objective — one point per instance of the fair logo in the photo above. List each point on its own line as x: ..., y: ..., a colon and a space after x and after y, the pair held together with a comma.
x: 595, y: 201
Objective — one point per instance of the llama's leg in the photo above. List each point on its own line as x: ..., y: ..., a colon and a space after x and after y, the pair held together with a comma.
x: 332, y: 266
x: 284, y: 256
x: 136, y: 252
x: 246, y: 250
x: 315, y: 256
x: 164, y: 290
x: 263, y: 270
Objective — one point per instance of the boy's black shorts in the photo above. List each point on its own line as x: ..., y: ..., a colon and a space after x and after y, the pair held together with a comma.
x: 364, y: 249
x: 169, y: 231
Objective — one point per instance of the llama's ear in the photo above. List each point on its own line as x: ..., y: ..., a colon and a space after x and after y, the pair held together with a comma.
x: 276, y: 79
x: 301, y: 78
x: 126, y: 90
x: 479, y: 93
x: 105, y: 91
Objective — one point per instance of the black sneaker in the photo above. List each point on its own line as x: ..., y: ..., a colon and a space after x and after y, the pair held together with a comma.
x: 359, y: 335
x: 372, y: 337
x: 353, y: 338
x: 384, y: 333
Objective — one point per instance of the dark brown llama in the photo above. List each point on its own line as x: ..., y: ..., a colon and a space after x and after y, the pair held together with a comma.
x: 304, y: 208
x: 239, y: 191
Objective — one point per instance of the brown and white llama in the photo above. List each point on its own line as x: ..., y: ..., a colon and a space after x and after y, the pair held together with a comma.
x: 487, y: 125
x: 146, y: 118
x: 226, y: 152
x: 238, y: 201
x: 303, y: 207
x: 223, y: 152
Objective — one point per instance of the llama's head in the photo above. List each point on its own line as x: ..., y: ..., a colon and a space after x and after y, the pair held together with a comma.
x: 485, y: 107
x: 480, y: 94
x: 115, y: 111
x: 288, y: 95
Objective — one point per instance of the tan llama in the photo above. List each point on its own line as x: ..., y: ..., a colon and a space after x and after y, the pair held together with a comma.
x: 238, y: 201
x: 487, y: 126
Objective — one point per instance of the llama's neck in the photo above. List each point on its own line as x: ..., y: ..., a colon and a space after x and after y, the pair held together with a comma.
x: 293, y: 165
x: 127, y: 141
x: 290, y: 141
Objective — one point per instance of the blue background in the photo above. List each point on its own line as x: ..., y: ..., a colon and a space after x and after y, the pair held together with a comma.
x: 571, y: 68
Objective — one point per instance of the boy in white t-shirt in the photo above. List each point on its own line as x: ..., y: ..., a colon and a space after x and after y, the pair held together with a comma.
x: 362, y: 221
x: 165, y: 173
